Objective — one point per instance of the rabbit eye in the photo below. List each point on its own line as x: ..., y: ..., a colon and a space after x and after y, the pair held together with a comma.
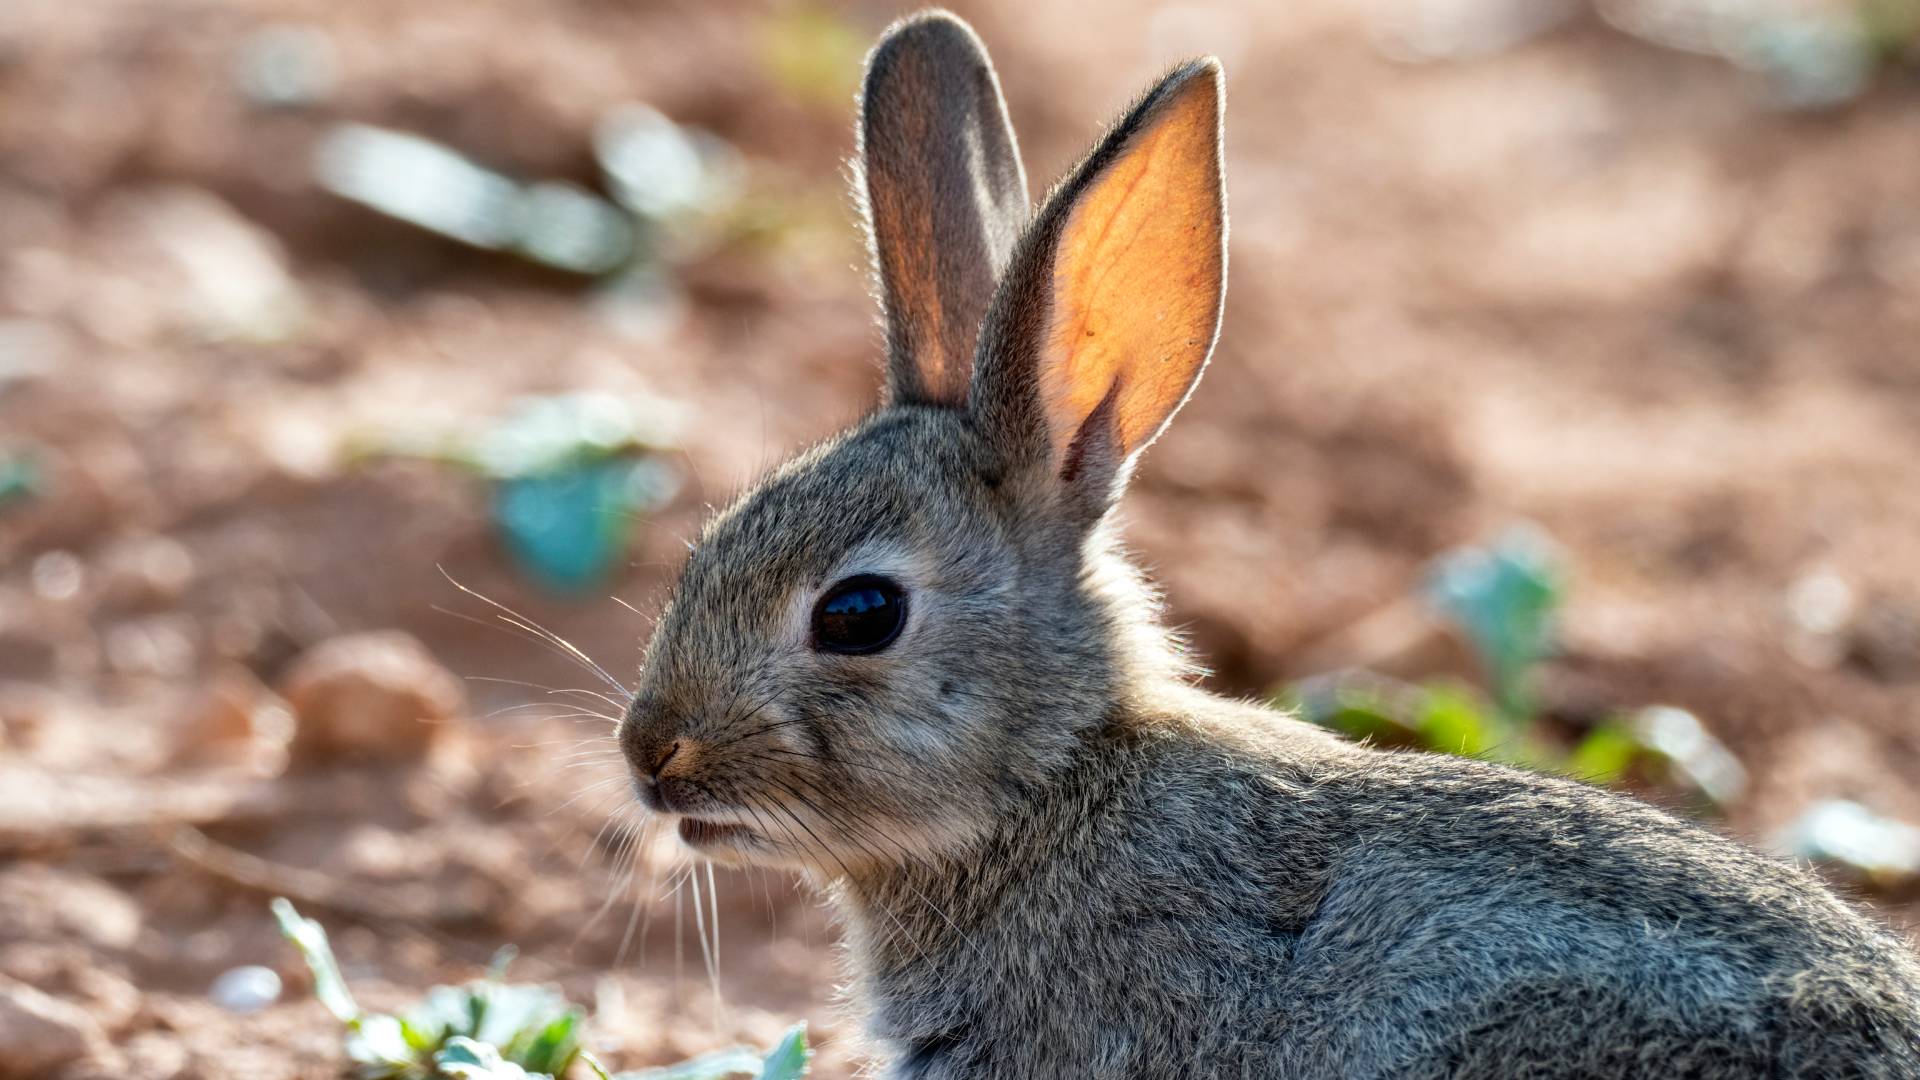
x: 862, y: 614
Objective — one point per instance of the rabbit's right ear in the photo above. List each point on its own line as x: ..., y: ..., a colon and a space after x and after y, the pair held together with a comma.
x: 945, y: 198
x: 1109, y: 311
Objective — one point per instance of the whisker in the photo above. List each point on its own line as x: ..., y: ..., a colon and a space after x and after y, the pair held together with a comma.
x: 595, y: 786
x: 713, y: 901
x: 618, y: 704
x: 855, y: 835
x: 797, y: 755
x: 617, y: 882
x: 635, y: 610
x: 515, y: 618
x: 757, y: 731
x: 901, y: 927
x: 749, y: 715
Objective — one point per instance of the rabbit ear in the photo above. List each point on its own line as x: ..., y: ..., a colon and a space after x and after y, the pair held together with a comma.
x: 1109, y: 312
x: 945, y: 199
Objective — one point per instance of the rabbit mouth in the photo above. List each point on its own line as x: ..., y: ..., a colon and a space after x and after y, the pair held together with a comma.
x: 704, y: 834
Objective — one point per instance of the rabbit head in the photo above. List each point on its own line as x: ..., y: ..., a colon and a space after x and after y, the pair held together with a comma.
x: 905, y: 631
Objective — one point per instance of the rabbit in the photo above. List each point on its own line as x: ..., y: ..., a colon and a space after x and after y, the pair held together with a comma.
x: 915, y: 665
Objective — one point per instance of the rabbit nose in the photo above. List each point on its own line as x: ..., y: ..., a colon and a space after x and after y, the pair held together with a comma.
x: 665, y: 755
x: 646, y: 737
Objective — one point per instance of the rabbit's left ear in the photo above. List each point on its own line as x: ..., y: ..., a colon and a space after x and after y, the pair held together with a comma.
x: 945, y: 198
x: 1108, y: 313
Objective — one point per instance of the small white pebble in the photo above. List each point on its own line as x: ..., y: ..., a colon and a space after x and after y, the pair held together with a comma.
x: 246, y: 989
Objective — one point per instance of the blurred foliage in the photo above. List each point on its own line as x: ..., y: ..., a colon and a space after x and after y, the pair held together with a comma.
x: 1503, y: 599
x: 569, y: 475
x: 813, y: 54
x: 1879, y: 851
x: 530, y: 1029
x: 490, y: 1029
x: 664, y: 180
x: 1820, y: 55
x: 20, y: 478
x: 436, y: 188
x: 1809, y: 53
x: 286, y: 66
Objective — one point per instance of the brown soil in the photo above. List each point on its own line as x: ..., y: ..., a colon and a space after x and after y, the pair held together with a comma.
x: 1585, y: 282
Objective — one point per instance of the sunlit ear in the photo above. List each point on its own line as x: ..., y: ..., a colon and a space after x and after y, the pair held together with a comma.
x: 945, y: 198
x: 1110, y: 310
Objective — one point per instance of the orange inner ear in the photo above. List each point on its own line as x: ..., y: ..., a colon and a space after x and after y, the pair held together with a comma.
x: 1138, y: 276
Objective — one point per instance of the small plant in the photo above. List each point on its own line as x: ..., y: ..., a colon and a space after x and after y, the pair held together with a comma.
x: 489, y: 1029
x: 568, y: 477
x: 20, y: 478
x: 1504, y: 600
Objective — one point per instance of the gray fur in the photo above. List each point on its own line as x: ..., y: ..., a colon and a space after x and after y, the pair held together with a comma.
x: 1054, y: 858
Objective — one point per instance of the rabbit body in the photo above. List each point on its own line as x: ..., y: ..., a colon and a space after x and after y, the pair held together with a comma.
x: 913, y: 664
x: 1217, y: 891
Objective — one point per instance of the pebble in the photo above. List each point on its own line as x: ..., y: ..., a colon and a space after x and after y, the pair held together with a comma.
x: 246, y: 989
x: 234, y: 720
x: 1884, y: 641
x: 374, y: 697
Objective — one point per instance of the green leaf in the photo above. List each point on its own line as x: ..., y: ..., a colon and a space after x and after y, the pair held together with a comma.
x: 1452, y: 721
x: 446, y: 1011
x: 378, y: 1040
x: 1604, y: 756
x: 1360, y: 714
x: 788, y: 1061
x: 553, y: 1048
x: 738, y: 1061
x: 465, y: 1059
x: 311, y: 939
x: 514, y: 1015
x: 1505, y: 597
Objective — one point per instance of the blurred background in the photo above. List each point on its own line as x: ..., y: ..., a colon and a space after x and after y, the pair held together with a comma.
x: 1567, y: 412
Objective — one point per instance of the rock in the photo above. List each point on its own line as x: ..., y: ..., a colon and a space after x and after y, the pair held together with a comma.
x: 39, y: 1033
x: 1884, y: 641
x: 237, y: 720
x: 26, y: 711
x: 376, y: 697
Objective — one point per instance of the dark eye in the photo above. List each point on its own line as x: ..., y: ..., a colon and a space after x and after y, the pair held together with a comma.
x: 859, y: 615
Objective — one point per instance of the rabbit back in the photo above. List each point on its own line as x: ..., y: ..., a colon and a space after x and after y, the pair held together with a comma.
x: 1197, y: 906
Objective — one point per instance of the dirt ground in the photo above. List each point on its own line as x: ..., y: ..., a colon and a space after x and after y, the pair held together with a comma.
x: 1585, y: 282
